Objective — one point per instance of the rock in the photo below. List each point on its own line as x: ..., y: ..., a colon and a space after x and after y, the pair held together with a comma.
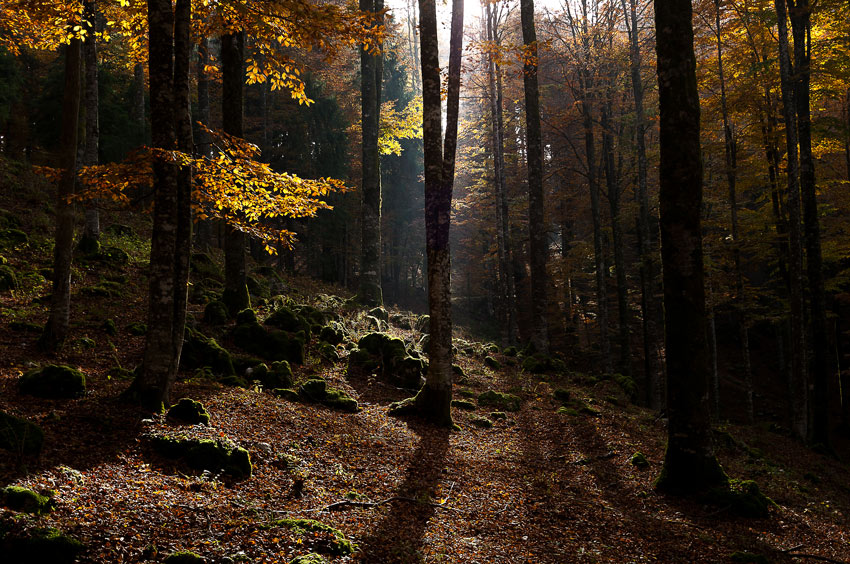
x: 189, y: 411
x: 19, y: 435
x: 510, y: 351
x: 88, y: 245
x: 205, y: 267
x: 200, y: 351
x: 41, y: 546
x: 53, y: 381
x: 215, y: 313
x: 287, y: 393
x: 332, y: 334
x: 114, y: 256
x: 311, y: 558
x: 25, y: 500
x: 743, y: 497
x: 279, y: 376
x: 333, y: 540
x: 491, y: 362
x: 8, y: 280
x: 184, y: 557
x: 270, y: 345
x: 379, y: 313
x: 401, y: 321
x: 109, y: 328
x: 458, y: 371
x: 465, y: 405
x: 397, y: 367
x: 481, y: 422
x: 638, y: 460
x: 500, y: 400
x: 286, y: 319
x: 257, y: 287
x: 316, y: 390
x: 137, y: 329
x: 328, y: 352
x: 423, y: 324
x: 561, y: 395
x: 205, y: 454
x: 497, y: 415
x: 120, y: 230
x: 313, y: 390
x: 13, y: 238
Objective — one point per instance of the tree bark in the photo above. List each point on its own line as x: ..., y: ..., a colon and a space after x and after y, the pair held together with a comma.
x: 138, y: 109
x: 689, y: 464
x: 91, y: 233
x: 538, y: 234
x: 56, y: 329
x: 235, y: 295
x: 369, y: 292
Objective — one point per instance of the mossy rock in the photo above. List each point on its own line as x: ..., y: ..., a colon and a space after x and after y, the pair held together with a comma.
x: 743, y: 497
x: 313, y: 390
x: 638, y: 460
x: 498, y: 415
x: 257, y: 288
x: 83, y: 343
x: 88, y: 245
x: 109, y: 327
x: 103, y: 289
x: 379, y: 350
x: 331, y: 334
x: 331, y: 540
x: 26, y: 327
x: 200, y: 351
x: 465, y: 405
x: 510, y: 351
x: 205, y: 267
x: 120, y: 373
x: 481, y: 422
x: 120, y: 230
x: 137, y: 329
x: 537, y: 363
x: 280, y: 375
x: 458, y: 371
x: 500, y: 400
x: 492, y: 363
x: 19, y: 435
x: 189, y: 411
x: 8, y: 280
x: 749, y: 558
x: 205, y: 454
x: 25, y: 500
x: 215, y: 313
x: 247, y: 315
x: 571, y: 411
x: 401, y: 321
x: 9, y: 219
x: 184, y: 557
x: 53, y: 381
x: 268, y: 344
x: 337, y: 399
x: 328, y: 352
x: 13, y: 238
x: 311, y: 558
x: 491, y: 348
x: 423, y: 324
x: 287, y: 393
x: 380, y: 314
x: 41, y: 546
x: 561, y: 395
x: 288, y: 320
x: 113, y: 256
x: 627, y: 384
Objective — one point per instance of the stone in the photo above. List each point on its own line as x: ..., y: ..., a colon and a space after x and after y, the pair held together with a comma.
x: 53, y: 381
x: 189, y: 411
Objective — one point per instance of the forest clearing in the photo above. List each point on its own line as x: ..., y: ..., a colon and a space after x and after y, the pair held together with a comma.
x: 315, y: 282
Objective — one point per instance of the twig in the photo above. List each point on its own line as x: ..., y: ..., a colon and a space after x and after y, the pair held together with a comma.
x: 792, y: 549
x: 336, y: 506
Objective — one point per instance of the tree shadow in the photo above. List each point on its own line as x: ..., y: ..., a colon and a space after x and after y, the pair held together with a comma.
x: 398, y: 536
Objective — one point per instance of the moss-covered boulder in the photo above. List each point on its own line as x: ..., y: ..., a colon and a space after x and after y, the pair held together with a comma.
x: 13, y: 238
x: 53, y: 381
x: 537, y: 363
x: 108, y: 327
x: 8, y: 280
x: 380, y: 314
x: 189, y: 411
x: 627, y: 384
x: 112, y: 256
x: 311, y: 558
x: 316, y: 390
x: 137, y: 329
x: 278, y: 376
x: 638, y: 460
x: 25, y: 500
x: 200, y: 351
x: 465, y: 405
x: 333, y: 333
x: 215, y: 313
x: 19, y: 435
x: 500, y: 400
x: 481, y: 422
x: 388, y: 355
x: 287, y: 393
x: 561, y: 395
x: 328, y: 352
x: 510, y: 351
x: 40, y: 546
x: 742, y: 497
x: 268, y: 344
x: 120, y: 230
x: 203, y: 266
x: 492, y: 363
x: 401, y: 321
x: 287, y: 319
x: 323, y: 538
x: 220, y: 455
x: 423, y: 324
x: 184, y: 557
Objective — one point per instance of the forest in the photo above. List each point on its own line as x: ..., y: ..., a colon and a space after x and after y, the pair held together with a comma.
x: 497, y: 281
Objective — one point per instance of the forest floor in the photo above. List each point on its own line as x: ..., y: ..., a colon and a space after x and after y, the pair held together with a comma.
x: 538, y: 486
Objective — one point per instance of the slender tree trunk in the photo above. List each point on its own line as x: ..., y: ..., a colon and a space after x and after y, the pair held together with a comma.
x: 138, y: 108
x: 56, y: 329
x: 689, y: 464
x: 235, y: 294
x: 369, y: 292
x: 538, y: 234
x: 434, y: 400
x: 730, y: 151
x: 91, y: 234
x: 821, y: 372
x: 799, y: 388
x: 204, y: 147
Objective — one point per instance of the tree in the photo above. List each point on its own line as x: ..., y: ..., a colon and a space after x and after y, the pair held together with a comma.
x: 689, y: 463
x: 91, y: 233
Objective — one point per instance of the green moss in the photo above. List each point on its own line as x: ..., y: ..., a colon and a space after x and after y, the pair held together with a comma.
x: 561, y: 395
x: 498, y: 415
x: 467, y: 393
x: 380, y: 351
x: 184, y: 557
x: 8, y: 280
x: 638, y: 460
x: 13, y: 238
x: 458, y: 371
x: 743, y: 497
x: 510, y: 351
x: 287, y: 393
x: 333, y: 541
x: 568, y: 411
x: 313, y: 390
x: 268, y: 344
x: 19, y: 435
x: 201, y: 351
x: 407, y: 406
x: 337, y: 399
x: 247, y: 315
x: 189, y: 411
x: 465, y: 405
x: 331, y: 334
x: 482, y: 422
x: 328, y: 352
x: 205, y: 454
x: 380, y: 314
x: 279, y: 376
x: 42, y: 546
x: 311, y: 558
x: 256, y: 287
x: 53, y: 381
x: 537, y: 363
x: 491, y: 362
x: 205, y: 267
x: 288, y: 320
x: 500, y: 400
x: 627, y: 384
x: 88, y: 245
x: 27, y: 501
x: 120, y: 373
x: 120, y: 230
x: 749, y: 558
x: 103, y: 289
x: 215, y: 313
x: 113, y: 256
x: 109, y: 328
x: 401, y: 321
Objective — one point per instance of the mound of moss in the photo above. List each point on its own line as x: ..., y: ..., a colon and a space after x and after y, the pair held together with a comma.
x: 500, y: 400
x: 12, y: 238
x: 481, y: 422
x: 316, y: 390
x: 25, y: 500
x: 8, y: 280
x: 332, y: 333
x: 311, y: 558
x: 330, y: 540
x: 287, y: 393
x: 137, y: 329
x: 287, y: 319
x: 203, y: 266
x: 561, y: 395
x: 221, y: 455
x: 401, y: 321
x: 215, y: 313
x: 388, y: 355
x: 268, y: 344
x: 638, y: 460
x: 491, y: 362
x: 53, y: 381
x: 103, y: 289
x: 41, y: 546
x: 743, y: 498
x: 200, y: 351
x: 328, y: 352
x: 465, y: 405
x: 184, y: 557
x: 423, y: 324
x: 19, y: 435
x: 189, y: 411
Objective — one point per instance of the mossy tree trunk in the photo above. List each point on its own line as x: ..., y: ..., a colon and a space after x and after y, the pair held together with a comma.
x: 235, y: 294
x: 169, y: 51
x: 369, y: 292
x: 689, y: 464
x: 538, y: 234
x: 434, y: 400
x: 56, y: 329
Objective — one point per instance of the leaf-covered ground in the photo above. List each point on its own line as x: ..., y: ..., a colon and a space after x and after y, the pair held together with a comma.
x: 538, y: 486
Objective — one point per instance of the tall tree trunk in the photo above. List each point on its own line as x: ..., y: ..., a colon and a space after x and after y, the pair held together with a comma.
x: 434, y: 399
x: 730, y: 153
x: 91, y: 234
x: 538, y: 234
x: 169, y: 51
x: 821, y: 372
x: 799, y: 389
x: 204, y: 146
x: 613, y: 185
x: 369, y: 292
x: 689, y: 464
x: 56, y: 329
x: 137, y: 111
x: 235, y: 295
